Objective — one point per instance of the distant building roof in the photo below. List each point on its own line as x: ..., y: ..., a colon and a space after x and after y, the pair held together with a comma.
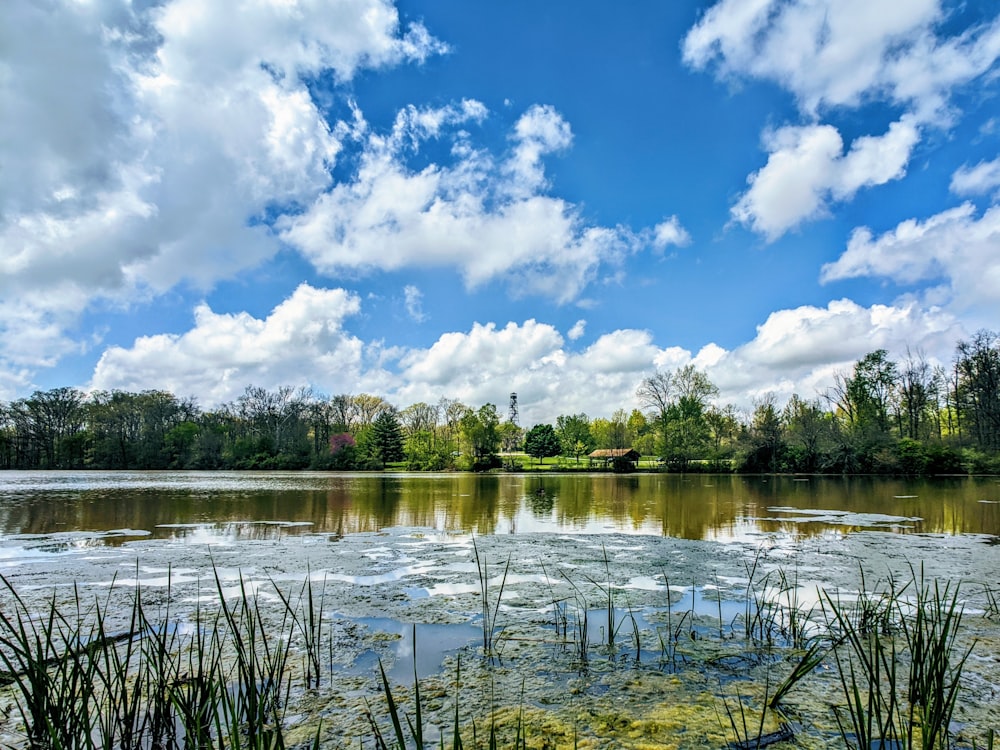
x: 629, y: 453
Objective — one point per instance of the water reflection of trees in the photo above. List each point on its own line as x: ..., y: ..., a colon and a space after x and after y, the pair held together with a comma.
x: 693, y: 506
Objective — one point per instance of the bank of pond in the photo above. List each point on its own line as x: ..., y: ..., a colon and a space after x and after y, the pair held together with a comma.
x: 897, y: 663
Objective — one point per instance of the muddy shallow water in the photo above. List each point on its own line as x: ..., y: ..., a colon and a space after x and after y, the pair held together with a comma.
x: 679, y: 665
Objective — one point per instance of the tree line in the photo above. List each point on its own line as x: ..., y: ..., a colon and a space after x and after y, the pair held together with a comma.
x: 881, y: 416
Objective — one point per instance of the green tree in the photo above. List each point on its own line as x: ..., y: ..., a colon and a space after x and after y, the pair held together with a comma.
x: 917, y: 397
x: 451, y: 411
x: 679, y: 401
x: 723, y: 429
x: 159, y: 413
x: 179, y: 444
x: 47, y: 428
x: 977, y: 365
x: 640, y: 433
x: 479, y: 429
x: 873, y: 387
x: 542, y: 442
x: 574, y: 434
x: 116, y: 423
x: 611, y: 433
x: 686, y: 434
x: 423, y: 452
x: 366, y: 408
x: 766, y: 441
x: 807, y: 430
x: 420, y: 420
x: 864, y: 398
x: 511, y: 437
x: 386, y: 437
x: 271, y: 428
x: 6, y: 438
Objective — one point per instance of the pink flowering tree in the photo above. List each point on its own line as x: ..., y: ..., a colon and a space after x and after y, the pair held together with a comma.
x: 340, y: 441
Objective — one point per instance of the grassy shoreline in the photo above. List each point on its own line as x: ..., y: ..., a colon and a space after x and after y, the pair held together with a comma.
x: 253, y: 666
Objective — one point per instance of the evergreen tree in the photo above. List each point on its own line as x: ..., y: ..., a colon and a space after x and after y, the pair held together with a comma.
x: 387, y: 437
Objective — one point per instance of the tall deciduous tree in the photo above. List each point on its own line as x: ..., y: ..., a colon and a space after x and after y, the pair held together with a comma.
x: 611, y: 433
x: 977, y: 365
x: 479, y: 429
x: 116, y: 423
x: 679, y: 401
x: 723, y: 429
x: 872, y: 389
x: 511, y: 437
x: 574, y: 434
x: 766, y: 438
x: 47, y: 428
x: 917, y: 392
x: 808, y: 431
x: 541, y: 442
x: 367, y: 408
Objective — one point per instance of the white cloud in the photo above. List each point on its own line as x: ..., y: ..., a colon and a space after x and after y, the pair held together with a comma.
x: 838, y: 54
x: 807, y: 170
x: 832, y: 53
x: 794, y: 351
x: 466, y: 360
x: 577, y: 330
x: 487, y: 363
x: 414, y: 300
x: 799, y: 350
x: 304, y: 342
x: 670, y: 232
x: 143, y: 144
x: 490, y: 219
x: 13, y: 382
x: 953, y: 246
x: 46, y: 325
x: 982, y: 178
x: 301, y: 343
x: 292, y: 37
x: 539, y: 131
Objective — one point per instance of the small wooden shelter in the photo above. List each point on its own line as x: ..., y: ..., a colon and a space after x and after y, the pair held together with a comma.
x: 614, y: 456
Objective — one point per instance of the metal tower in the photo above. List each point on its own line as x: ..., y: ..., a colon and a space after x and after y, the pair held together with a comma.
x: 512, y: 411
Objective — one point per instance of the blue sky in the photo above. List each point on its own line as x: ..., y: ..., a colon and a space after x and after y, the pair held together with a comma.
x: 453, y: 199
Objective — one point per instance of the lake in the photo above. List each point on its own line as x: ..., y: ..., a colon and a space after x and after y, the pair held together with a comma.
x: 164, y: 504
x: 408, y: 567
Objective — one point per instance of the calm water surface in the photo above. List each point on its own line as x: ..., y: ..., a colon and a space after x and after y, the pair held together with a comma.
x: 115, y: 506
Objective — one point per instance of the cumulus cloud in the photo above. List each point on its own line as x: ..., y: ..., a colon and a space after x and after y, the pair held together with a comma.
x: 794, y: 351
x: 305, y: 342
x: 532, y: 359
x: 982, y: 178
x: 838, y: 54
x: 33, y: 337
x: 953, y: 246
x: 799, y: 350
x: 144, y: 144
x: 670, y: 232
x: 489, y: 217
x: 577, y: 330
x: 832, y: 53
x: 807, y: 169
x: 301, y: 343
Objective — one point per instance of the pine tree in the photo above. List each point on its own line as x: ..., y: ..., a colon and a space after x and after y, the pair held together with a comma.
x: 387, y: 437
